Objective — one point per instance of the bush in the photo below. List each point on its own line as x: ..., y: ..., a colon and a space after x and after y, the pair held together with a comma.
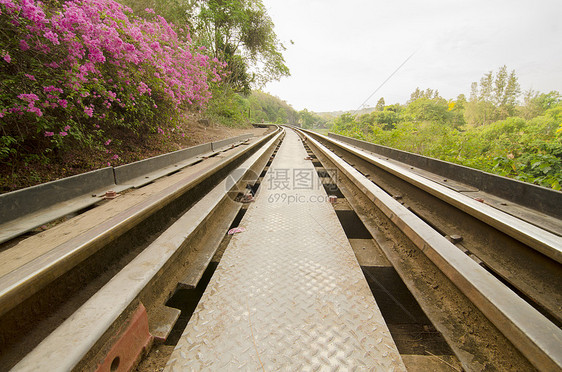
x: 528, y: 150
x: 74, y: 72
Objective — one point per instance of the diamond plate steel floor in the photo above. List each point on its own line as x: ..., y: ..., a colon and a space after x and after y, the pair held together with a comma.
x: 288, y: 293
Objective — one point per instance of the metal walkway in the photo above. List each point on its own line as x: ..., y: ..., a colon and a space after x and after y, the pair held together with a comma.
x: 288, y: 293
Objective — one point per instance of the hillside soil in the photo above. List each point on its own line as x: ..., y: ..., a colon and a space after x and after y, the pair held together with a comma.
x: 124, y: 148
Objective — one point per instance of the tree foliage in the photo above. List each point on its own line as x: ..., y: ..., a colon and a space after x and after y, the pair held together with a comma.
x: 73, y: 73
x: 266, y: 108
x: 494, y: 99
x: 491, y: 131
x: 311, y: 120
x: 261, y: 107
x: 240, y: 32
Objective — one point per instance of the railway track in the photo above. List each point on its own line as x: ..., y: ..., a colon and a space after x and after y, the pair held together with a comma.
x: 502, y: 272
x: 441, y: 264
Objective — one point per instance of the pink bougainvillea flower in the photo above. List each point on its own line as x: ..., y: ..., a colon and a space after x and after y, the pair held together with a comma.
x: 24, y: 45
x: 143, y: 88
x: 62, y: 134
x: 89, y: 110
x: 52, y: 88
x: 100, y: 47
x: 54, y: 38
x: 107, y: 142
x: 115, y: 157
x: 31, y: 97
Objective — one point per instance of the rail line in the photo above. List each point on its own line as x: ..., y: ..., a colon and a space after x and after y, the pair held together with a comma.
x: 477, y: 259
x: 488, y: 281
x: 33, y: 292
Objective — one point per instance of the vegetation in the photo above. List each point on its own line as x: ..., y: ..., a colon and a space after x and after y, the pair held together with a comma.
x: 95, y: 80
x: 79, y: 73
x: 238, y: 32
x: 490, y: 131
x: 88, y: 82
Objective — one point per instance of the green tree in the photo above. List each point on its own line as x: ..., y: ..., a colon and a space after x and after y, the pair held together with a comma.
x: 380, y: 104
x: 495, y: 98
x: 456, y: 111
x: 281, y: 117
x: 267, y: 108
x: 536, y: 104
x: 240, y: 33
x: 478, y: 111
x: 428, y: 105
x: 416, y: 94
x: 345, y: 124
x: 388, y: 117
x: 307, y: 119
x: 505, y: 92
x: 426, y: 109
x: 428, y: 93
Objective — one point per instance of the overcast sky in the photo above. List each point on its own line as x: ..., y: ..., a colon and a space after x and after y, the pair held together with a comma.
x: 344, y: 49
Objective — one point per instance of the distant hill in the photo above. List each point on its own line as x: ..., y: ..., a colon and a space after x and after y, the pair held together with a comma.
x: 335, y: 114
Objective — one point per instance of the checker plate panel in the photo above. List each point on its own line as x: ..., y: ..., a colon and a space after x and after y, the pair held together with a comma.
x: 288, y: 293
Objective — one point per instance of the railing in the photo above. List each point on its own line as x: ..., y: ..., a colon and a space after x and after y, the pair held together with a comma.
x: 26, y: 209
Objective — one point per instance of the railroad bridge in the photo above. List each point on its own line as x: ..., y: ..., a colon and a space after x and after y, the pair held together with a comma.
x: 283, y: 250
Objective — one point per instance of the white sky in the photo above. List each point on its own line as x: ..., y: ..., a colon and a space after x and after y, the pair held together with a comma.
x: 344, y: 49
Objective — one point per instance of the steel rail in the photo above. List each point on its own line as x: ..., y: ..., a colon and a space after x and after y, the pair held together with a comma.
x: 66, y: 347
x: 539, y: 199
x: 530, y: 332
x: 288, y: 293
x: 26, y: 209
x: 539, y: 239
x: 28, y: 279
x: 534, y: 274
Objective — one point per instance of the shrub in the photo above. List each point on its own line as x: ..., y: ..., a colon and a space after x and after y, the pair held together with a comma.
x: 76, y: 71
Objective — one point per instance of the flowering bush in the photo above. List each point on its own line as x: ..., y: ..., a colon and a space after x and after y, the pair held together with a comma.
x: 78, y: 70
